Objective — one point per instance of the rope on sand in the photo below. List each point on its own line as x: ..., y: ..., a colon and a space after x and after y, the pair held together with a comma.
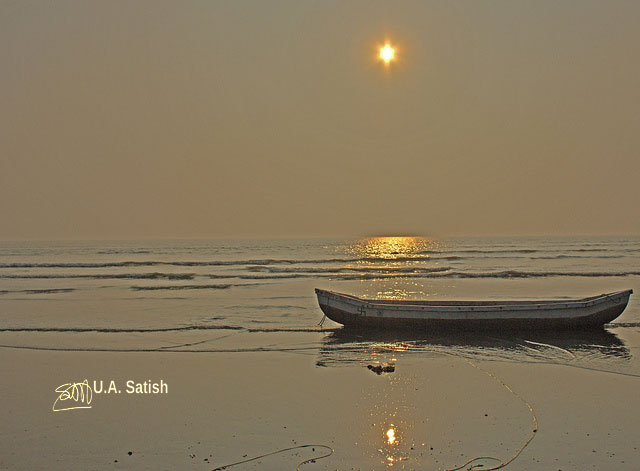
x: 510, y: 460
x: 310, y: 460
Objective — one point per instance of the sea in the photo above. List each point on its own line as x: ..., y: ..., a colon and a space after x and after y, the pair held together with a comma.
x: 257, y: 295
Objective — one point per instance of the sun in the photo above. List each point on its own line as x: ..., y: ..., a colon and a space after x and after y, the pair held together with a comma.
x: 387, y: 53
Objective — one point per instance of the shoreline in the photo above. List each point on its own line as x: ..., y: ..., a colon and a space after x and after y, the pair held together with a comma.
x: 229, y: 405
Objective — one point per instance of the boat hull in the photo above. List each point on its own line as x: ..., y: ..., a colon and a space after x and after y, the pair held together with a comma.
x: 591, y: 312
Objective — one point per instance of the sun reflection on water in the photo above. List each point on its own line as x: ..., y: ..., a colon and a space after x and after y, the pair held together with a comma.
x: 399, y: 290
x: 391, y: 436
x: 391, y: 450
x: 394, y: 248
x: 392, y: 265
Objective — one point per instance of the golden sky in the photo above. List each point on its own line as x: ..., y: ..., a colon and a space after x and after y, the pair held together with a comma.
x: 252, y: 118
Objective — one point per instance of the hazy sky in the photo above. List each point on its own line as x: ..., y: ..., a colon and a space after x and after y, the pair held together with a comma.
x: 273, y: 118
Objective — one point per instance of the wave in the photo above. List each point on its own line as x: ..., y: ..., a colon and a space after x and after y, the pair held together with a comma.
x: 286, y: 276
x: 563, y: 256
x: 501, y: 274
x: 422, y: 256
x: 528, y: 251
x: 149, y: 263
x: 214, y: 327
x: 410, y: 269
x: 382, y: 273
x: 265, y: 307
x: 344, y: 274
x: 38, y: 291
x: 171, y: 349
x: 531, y: 274
x: 293, y: 329
x: 623, y: 324
x: 222, y: 263
x: 80, y: 264
x: 386, y: 274
x: 105, y: 276
x: 176, y: 287
x: 123, y: 251
x: 135, y: 330
x: 520, y: 253
x: 120, y: 330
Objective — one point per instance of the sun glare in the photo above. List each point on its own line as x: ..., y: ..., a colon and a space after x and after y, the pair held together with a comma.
x: 387, y: 53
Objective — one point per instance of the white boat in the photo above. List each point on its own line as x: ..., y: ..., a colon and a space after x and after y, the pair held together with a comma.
x: 593, y: 311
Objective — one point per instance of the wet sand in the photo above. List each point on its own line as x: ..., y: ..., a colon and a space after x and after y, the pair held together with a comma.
x: 223, y: 407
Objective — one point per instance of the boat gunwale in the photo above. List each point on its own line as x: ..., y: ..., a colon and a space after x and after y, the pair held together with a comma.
x: 477, y: 306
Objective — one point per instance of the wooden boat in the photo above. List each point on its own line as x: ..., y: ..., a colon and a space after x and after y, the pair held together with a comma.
x: 590, y: 312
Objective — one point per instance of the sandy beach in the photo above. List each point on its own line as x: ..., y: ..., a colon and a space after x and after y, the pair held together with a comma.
x: 224, y: 407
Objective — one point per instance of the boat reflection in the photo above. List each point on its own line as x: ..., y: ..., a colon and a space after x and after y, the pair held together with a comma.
x: 350, y: 346
x: 412, y: 417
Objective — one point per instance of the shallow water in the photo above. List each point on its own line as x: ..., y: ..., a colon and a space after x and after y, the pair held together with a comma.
x: 227, y: 295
